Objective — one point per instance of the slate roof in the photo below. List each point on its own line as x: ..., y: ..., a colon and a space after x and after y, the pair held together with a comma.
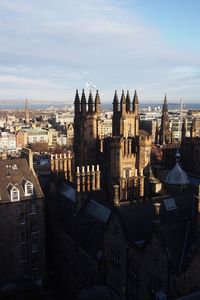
x: 13, y: 172
x: 176, y: 227
x: 87, y: 228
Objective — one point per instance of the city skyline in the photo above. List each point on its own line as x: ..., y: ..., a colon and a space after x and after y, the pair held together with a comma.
x: 50, y: 48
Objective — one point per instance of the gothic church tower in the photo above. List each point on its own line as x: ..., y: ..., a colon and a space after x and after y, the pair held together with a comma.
x: 86, y: 129
x: 127, y: 148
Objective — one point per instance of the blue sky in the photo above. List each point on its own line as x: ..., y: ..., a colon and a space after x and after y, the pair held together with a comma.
x: 51, y: 47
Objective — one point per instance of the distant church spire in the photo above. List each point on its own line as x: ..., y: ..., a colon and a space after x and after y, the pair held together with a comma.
x: 26, y: 112
x: 165, y: 106
x: 165, y: 136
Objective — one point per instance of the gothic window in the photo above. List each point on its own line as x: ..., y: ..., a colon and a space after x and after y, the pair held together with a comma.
x: 90, y: 129
x: 129, y: 128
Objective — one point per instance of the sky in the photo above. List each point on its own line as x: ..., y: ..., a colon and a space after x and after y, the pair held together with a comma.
x: 50, y: 48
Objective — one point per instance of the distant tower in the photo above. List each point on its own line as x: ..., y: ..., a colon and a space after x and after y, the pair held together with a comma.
x: 184, y: 129
x: 165, y: 136
x: 26, y: 112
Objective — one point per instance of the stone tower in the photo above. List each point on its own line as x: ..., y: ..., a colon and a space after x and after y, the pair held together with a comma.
x: 86, y: 129
x: 165, y: 136
x: 125, y: 115
x: 26, y: 112
x: 127, y: 148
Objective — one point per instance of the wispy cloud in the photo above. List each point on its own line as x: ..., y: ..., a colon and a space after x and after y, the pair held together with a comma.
x: 57, y: 45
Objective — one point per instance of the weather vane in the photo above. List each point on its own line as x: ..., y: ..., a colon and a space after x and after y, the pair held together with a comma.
x: 90, y: 85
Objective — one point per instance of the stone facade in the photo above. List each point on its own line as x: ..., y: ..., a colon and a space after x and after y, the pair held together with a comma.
x: 22, y: 232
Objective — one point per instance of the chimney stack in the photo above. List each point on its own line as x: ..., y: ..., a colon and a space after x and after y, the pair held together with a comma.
x: 116, y: 195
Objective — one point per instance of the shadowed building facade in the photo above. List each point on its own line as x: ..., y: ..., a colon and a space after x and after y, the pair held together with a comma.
x: 22, y: 233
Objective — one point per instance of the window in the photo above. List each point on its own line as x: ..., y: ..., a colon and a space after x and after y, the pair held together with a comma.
x: 23, y: 237
x: 28, y: 187
x: 32, y: 208
x: 14, y: 194
x: 23, y: 253
x: 155, y: 284
x: 132, y: 270
x: 34, y: 263
x: 22, y: 218
x: 129, y: 128
x: 34, y: 246
x: 33, y: 228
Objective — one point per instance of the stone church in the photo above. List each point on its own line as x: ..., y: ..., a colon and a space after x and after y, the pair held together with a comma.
x: 125, y: 156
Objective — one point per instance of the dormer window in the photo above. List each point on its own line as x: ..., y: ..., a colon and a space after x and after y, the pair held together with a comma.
x: 14, y: 192
x: 27, y: 187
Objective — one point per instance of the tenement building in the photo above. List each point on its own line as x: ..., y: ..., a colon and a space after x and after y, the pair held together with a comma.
x: 22, y: 253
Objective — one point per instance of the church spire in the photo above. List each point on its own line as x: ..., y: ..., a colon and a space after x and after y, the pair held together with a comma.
x: 83, y: 103
x: 128, y: 102
x: 26, y: 112
x: 165, y: 106
x: 90, y: 103
x: 97, y: 103
x: 165, y: 136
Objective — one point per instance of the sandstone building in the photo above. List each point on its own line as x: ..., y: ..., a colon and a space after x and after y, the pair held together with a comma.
x: 22, y: 233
